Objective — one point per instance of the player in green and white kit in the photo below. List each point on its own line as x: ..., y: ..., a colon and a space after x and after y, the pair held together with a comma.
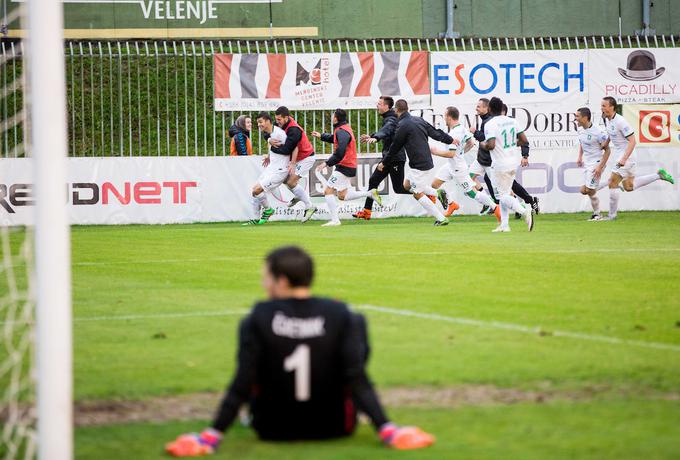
x: 456, y: 169
x: 623, y: 146
x: 593, y: 153
x: 502, y: 139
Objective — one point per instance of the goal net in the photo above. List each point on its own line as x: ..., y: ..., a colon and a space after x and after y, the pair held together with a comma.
x: 35, y: 304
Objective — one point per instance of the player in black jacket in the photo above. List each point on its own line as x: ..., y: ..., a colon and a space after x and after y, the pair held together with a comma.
x: 412, y: 135
x: 301, y: 367
x: 396, y: 172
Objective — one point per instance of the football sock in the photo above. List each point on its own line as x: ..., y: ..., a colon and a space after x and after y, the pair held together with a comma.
x: 484, y: 198
x: 352, y: 194
x: 521, y: 192
x: 513, y: 204
x: 595, y: 202
x: 302, y: 195
x: 645, y: 180
x: 427, y: 190
x: 262, y: 198
x: 332, y: 206
x: 255, y: 201
x: 602, y: 185
x: 613, y: 202
x: 431, y: 208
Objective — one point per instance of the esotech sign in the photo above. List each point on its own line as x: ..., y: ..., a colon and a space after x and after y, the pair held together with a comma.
x: 514, y: 76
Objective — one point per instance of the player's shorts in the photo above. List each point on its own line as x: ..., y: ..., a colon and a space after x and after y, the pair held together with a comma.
x: 419, y: 180
x: 503, y: 180
x: 302, y: 167
x: 589, y: 179
x: 628, y: 170
x: 339, y: 181
x: 458, y: 175
x: 272, y: 178
x: 479, y: 170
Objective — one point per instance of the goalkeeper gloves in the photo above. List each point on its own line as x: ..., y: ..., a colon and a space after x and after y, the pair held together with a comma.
x: 195, y: 445
x: 405, y: 438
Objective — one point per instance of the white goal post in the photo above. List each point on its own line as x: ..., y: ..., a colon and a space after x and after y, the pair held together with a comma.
x: 47, y: 114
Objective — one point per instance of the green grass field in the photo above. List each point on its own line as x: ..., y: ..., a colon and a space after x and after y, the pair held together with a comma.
x: 578, y: 322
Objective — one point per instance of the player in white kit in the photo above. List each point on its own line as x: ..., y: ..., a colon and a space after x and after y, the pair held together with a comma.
x: 502, y: 138
x: 456, y: 168
x: 623, y: 146
x: 274, y: 174
x: 593, y: 153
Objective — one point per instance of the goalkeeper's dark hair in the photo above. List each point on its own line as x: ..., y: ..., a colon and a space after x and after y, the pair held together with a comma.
x: 264, y: 116
x: 293, y: 263
x: 283, y: 111
x: 584, y: 112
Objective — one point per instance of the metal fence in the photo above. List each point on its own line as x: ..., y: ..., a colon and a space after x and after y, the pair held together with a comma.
x: 132, y: 98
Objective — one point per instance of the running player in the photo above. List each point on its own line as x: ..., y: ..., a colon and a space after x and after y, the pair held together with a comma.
x: 502, y: 137
x: 623, y: 144
x: 300, y: 164
x: 517, y: 189
x: 412, y: 135
x: 301, y: 367
x: 344, y: 159
x: 593, y: 153
x: 456, y: 169
x: 274, y: 174
x: 396, y: 172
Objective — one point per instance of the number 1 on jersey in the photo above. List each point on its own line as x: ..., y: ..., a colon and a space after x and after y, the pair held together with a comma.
x: 300, y: 362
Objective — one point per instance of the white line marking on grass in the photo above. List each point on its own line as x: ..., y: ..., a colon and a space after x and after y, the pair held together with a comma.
x: 197, y: 314
x: 517, y: 327
x: 404, y: 313
x: 370, y: 254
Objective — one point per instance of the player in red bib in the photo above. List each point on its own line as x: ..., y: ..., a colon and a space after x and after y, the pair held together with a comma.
x: 300, y: 163
x: 344, y: 159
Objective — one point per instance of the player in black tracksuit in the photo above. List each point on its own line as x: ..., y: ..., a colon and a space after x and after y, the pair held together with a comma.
x: 396, y: 171
x: 301, y: 367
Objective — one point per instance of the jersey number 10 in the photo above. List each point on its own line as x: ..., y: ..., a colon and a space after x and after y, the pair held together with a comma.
x: 299, y: 362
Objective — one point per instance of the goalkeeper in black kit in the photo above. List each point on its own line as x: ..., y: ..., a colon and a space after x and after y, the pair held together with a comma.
x: 301, y: 368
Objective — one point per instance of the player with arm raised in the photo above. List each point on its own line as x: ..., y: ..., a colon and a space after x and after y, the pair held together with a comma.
x: 301, y: 367
x: 456, y: 169
x: 593, y: 153
x: 344, y: 159
x: 274, y: 174
x: 623, y: 146
x: 396, y: 172
x: 502, y: 137
x: 412, y: 135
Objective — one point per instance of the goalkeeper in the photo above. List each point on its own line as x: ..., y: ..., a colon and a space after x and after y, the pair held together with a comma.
x: 301, y: 368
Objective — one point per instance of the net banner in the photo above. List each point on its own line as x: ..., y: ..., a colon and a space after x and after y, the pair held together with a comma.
x: 163, y: 190
x: 319, y: 80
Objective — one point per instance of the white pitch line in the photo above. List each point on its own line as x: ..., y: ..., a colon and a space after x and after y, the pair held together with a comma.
x: 410, y: 314
x: 368, y: 254
x: 518, y: 328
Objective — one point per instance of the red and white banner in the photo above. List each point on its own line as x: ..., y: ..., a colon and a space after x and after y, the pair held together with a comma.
x: 319, y: 80
x: 655, y: 125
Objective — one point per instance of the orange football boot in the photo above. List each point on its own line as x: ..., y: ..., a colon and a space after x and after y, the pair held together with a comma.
x: 363, y: 214
x: 453, y: 207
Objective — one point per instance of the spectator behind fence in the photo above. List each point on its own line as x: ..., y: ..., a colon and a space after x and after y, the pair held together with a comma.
x: 240, y: 136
